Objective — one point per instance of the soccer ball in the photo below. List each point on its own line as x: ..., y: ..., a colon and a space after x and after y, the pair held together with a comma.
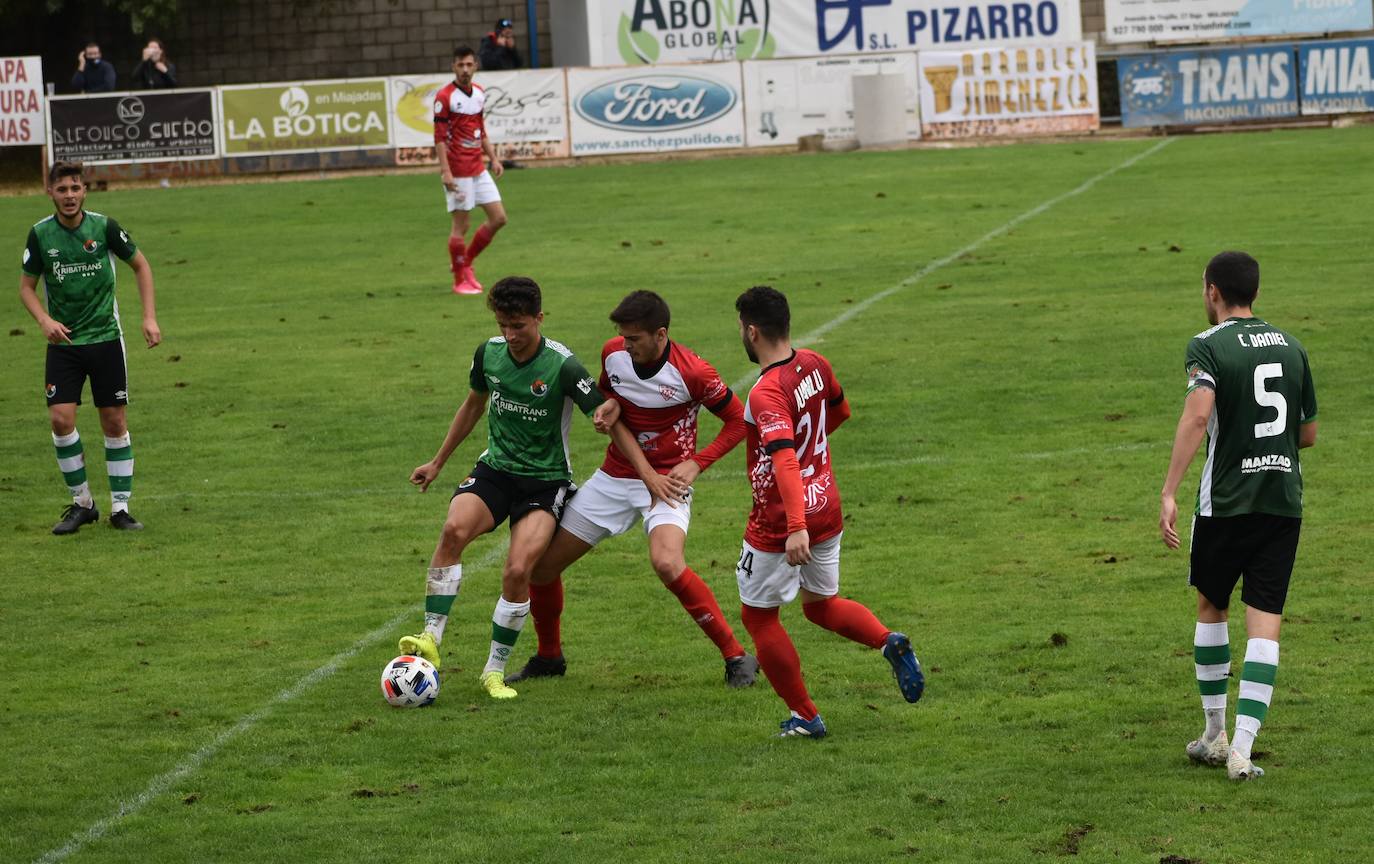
x: 410, y: 682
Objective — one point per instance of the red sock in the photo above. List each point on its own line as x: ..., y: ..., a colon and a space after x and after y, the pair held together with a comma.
x: 455, y: 254
x: 479, y: 242
x: 849, y: 619
x: 696, y: 597
x: 778, y: 657
x: 546, y: 606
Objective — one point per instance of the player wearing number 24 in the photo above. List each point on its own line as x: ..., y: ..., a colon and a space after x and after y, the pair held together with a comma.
x: 792, y: 542
x: 1250, y: 392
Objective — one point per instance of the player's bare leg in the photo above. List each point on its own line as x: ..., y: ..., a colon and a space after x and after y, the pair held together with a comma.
x: 667, y: 555
x: 529, y: 537
x: 496, y: 220
x: 546, y: 605
x: 458, y: 254
x: 71, y: 460
x: 468, y: 518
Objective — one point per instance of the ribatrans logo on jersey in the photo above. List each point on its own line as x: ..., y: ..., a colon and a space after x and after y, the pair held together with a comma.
x: 656, y: 103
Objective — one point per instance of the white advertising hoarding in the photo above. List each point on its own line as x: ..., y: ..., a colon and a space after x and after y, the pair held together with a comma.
x: 676, y: 31
x: 786, y: 99
x: 1009, y: 91
x: 21, y: 101
x: 526, y: 111
x: 1210, y: 20
x: 692, y: 107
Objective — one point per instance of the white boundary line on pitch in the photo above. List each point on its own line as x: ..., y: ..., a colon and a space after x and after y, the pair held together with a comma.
x: 162, y: 782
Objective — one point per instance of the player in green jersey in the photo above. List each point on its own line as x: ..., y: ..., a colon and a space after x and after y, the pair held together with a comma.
x: 73, y: 252
x: 530, y: 384
x: 1250, y: 393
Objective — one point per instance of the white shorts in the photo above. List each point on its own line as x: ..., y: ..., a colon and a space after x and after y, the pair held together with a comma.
x: 606, y: 506
x: 472, y: 191
x: 767, y: 581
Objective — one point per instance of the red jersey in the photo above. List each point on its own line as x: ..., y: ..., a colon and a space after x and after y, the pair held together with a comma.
x: 459, y: 127
x: 659, y: 404
x: 787, y: 407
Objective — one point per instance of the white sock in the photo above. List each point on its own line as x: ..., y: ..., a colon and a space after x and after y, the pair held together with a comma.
x: 441, y: 588
x: 506, y: 623
x: 1256, y: 689
x: 1212, y: 664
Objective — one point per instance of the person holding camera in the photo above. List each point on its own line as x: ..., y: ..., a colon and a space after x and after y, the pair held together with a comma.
x: 497, y: 50
x: 93, y: 74
x: 155, y: 71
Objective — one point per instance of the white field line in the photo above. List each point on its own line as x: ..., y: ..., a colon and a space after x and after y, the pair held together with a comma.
x: 162, y: 782
x: 940, y: 263
x: 185, y: 767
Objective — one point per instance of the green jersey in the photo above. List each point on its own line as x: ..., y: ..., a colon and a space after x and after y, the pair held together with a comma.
x: 530, y: 407
x: 1264, y: 392
x: 78, y: 270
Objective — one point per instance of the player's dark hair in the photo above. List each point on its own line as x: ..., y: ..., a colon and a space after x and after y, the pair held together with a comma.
x: 463, y: 51
x: 515, y: 295
x: 643, y: 309
x: 63, y: 168
x: 1236, y: 275
x: 765, y: 307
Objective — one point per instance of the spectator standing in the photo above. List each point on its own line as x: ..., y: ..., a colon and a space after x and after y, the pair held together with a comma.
x: 93, y: 74
x: 497, y: 50
x: 155, y: 71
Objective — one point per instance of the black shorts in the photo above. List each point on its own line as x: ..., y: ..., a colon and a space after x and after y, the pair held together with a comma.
x: 512, y: 495
x: 69, y: 366
x: 1258, y: 546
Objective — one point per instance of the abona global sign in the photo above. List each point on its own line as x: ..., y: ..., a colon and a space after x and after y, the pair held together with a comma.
x: 655, y: 103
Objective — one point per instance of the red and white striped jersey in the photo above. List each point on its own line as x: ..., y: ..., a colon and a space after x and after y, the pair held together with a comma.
x: 458, y: 125
x: 787, y: 407
x: 659, y: 403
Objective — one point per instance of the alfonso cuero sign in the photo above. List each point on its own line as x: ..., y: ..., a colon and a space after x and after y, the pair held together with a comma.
x: 132, y: 127
x: 313, y: 116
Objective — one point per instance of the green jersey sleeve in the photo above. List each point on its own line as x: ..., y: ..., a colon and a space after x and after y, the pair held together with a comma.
x: 580, y: 385
x: 1309, y: 393
x: 33, y: 255
x: 477, y: 377
x: 118, y: 240
x: 1201, y: 366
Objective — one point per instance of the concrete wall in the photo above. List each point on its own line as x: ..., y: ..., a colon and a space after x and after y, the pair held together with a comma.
x: 244, y: 41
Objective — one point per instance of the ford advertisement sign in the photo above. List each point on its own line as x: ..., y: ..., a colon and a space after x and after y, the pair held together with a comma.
x: 665, y: 108
x: 656, y: 103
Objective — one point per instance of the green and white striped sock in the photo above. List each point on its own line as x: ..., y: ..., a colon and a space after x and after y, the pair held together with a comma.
x: 506, y: 623
x: 119, y: 465
x: 441, y: 589
x: 71, y: 460
x: 1256, y: 689
x: 1212, y: 662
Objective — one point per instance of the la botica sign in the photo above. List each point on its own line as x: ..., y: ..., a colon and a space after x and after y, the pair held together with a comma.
x: 262, y: 119
x: 664, y: 108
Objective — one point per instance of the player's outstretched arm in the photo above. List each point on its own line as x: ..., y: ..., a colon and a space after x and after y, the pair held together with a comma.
x: 143, y: 274
x: 54, y: 331
x: 1192, y: 426
x: 463, y: 422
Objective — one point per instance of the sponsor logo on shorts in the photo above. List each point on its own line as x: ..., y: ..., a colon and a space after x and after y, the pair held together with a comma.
x: 467, y: 482
x: 539, y: 388
x: 51, y: 391
x: 1272, y: 462
x: 121, y: 394
x: 90, y: 246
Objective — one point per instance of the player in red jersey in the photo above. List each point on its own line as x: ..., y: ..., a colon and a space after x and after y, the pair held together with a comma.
x: 792, y: 542
x: 460, y: 138
x: 658, y: 387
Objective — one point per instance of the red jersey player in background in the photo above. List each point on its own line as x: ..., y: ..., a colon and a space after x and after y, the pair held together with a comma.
x: 460, y: 138
x: 792, y: 542
x: 658, y: 387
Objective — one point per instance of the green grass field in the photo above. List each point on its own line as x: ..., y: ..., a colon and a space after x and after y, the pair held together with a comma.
x: 206, y: 691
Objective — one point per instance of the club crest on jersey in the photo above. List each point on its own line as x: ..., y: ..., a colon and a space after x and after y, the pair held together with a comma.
x: 539, y: 388
x: 51, y: 391
x: 667, y: 391
x: 90, y: 246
